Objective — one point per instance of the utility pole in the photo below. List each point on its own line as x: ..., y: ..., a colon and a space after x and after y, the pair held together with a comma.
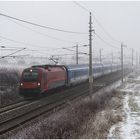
x: 122, y: 64
x: 100, y: 56
x: 122, y: 61
x: 112, y: 62
x: 112, y: 58
x: 132, y: 56
x: 77, y: 54
x: 139, y: 59
x: 136, y: 59
x: 90, y: 58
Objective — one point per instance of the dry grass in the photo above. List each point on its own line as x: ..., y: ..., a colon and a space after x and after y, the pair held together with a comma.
x: 100, y: 123
x: 77, y: 120
x: 9, y: 95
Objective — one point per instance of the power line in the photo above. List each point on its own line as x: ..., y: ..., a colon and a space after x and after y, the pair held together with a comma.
x: 27, y: 44
x: 106, y: 42
x: 7, y: 47
x: 12, y: 53
x: 42, y: 51
x: 42, y: 26
x: 18, y: 56
x: 80, y: 46
x: 74, y: 51
x: 105, y: 29
x: 96, y: 21
x: 81, y: 6
x: 20, y: 42
x: 63, y: 54
x: 43, y: 34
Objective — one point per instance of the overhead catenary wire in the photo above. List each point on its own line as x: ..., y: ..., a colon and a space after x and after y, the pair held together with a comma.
x: 113, y: 46
x: 27, y: 44
x: 9, y: 47
x: 62, y: 48
x: 80, y: 46
x: 74, y: 51
x: 107, y: 33
x: 43, y: 34
x: 81, y: 6
x: 18, y: 56
x: 20, y: 42
x: 62, y: 54
x: 12, y: 53
x: 54, y: 48
x: 42, y: 26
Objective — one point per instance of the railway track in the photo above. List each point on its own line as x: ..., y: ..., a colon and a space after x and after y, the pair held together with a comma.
x: 13, y: 105
x: 21, y: 113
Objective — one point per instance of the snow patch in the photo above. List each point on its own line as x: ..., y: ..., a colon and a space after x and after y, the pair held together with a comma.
x: 130, y: 127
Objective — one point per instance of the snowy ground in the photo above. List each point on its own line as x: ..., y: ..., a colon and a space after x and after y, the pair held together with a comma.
x: 129, y: 128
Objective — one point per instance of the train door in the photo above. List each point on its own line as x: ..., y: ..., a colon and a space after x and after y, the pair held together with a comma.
x: 44, y: 80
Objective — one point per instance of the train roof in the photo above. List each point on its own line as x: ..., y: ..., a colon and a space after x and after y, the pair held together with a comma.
x: 46, y: 66
x: 71, y: 66
x: 82, y: 65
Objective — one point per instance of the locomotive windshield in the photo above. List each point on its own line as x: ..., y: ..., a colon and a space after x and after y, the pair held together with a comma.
x: 30, y: 76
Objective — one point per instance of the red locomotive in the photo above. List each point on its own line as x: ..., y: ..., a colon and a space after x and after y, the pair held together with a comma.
x: 39, y: 79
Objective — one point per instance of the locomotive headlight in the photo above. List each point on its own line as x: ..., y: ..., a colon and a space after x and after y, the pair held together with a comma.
x: 21, y: 84
x: 38, y: 84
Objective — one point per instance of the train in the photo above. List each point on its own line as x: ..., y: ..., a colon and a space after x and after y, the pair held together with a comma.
x: 40, y: 79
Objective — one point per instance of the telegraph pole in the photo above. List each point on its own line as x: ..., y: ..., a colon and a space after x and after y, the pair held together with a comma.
x: 139, y: 59
x: 122, y: 65
x: 112, y: 62
x: 76, y: 53
x: 90, y: 58
x: 112, y: 58
x: 100, y: 56
x: 132, y: 56
x: 136, y: 59
x: 122, y: 60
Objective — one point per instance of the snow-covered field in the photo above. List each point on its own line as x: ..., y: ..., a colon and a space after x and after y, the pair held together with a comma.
x: 129, y: 128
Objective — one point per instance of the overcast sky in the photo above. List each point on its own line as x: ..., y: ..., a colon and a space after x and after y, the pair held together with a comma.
x: 120, y: 19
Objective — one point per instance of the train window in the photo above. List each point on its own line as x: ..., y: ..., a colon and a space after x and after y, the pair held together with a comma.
x: 74, y: 74
x: 30, y: 76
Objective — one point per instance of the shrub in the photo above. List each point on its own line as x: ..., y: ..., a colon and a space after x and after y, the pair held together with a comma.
x: 9, y: 81
x: 67, y: 123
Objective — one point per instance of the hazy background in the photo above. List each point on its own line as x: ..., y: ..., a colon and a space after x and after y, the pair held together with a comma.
x: 120, y: 19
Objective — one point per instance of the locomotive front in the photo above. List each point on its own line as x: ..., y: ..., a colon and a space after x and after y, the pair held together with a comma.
x: 30, y: 82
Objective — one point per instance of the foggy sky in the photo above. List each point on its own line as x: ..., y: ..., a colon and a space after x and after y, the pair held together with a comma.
x: 120, y: 19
